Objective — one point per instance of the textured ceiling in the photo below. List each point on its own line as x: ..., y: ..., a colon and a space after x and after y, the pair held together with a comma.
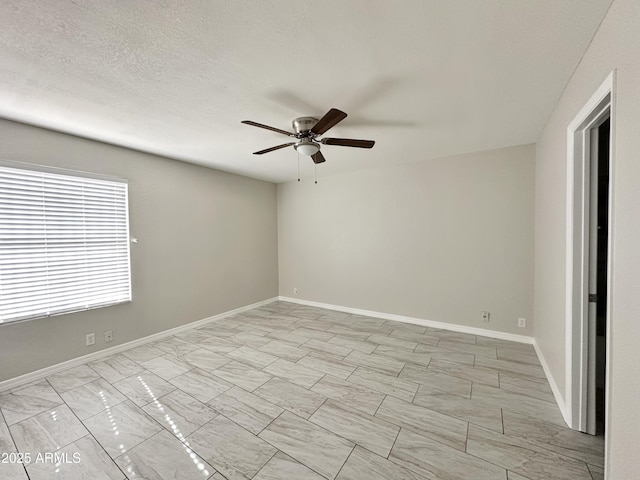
x: 424, y: 78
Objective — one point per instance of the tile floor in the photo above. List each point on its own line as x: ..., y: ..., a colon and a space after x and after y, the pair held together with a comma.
x: 292, y: 392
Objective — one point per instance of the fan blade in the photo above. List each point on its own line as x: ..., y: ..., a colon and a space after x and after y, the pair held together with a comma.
x: 330, y: 119
x: 267, y: 150
x: 348, y: 142
x: 318, y: 158
x: 273, y: 129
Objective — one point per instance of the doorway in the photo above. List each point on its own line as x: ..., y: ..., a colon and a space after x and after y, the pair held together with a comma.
x: 590, y: 160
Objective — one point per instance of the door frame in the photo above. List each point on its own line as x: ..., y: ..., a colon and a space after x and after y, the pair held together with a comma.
x: 601, y: 104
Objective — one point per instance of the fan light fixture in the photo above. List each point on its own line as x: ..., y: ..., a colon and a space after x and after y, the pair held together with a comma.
x: 307, y: 148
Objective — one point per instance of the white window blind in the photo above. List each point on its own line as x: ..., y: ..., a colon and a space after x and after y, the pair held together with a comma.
x: 64, y: 243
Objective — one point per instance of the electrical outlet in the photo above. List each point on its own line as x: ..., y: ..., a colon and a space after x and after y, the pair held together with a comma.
x: 91, y: 339
x: 485, y: 316
x: 522, y: 322
x: 108, y: 336
x: 295, y: 291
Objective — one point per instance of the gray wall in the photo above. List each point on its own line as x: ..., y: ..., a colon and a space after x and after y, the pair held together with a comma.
x: 615, y: 46
x: 207, y: 244
x: 440, y: 239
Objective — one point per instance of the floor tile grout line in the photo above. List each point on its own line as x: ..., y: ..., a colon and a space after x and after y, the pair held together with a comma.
x: 120, y: 404
x: 394, y: 442
x: 97, y: 373
x: 200, y: 427
x: 183, y: 392
x: 156, y: 434
x: 435, y: 439
x: 532, y: 446
x: 380, y: 373
x: 24, y: 467
x: 292, y: 456
x: 49, y: 409
x: 314, y: 412
x: 510, y: 392
x: 77, y: 386
x: 413, y: 397
x: 182, y: 440
x: 13, y: 440
x: 247, y: 430
x: 549, y: 448
x: 488, y: 461
x: 320, y: 427
x: 20, y: 387
x: 383, y: 399
x: 173, y: 356
x: 502, y: 418
x: 453, y: 417
x: 347, y: 459
x: 353, y: 441
x: 36, y: 414
x: 146, y: 439
x: 138, y: 374
x: 265, y: 463
x: 126, y: 398
x: 90, y: 433
x: 273, y: 420
x: 528, y: 396
x: 245, y: 362
x: 466, y: 439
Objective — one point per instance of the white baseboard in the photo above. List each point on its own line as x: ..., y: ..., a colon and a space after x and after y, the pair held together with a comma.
x: 74, y: 362
x: 416, y: 321
x: 552, y: 383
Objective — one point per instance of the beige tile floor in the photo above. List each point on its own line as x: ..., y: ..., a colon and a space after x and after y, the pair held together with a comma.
x: 292, y: 392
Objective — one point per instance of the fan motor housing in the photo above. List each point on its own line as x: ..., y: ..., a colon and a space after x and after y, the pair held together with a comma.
x: 304, y: 124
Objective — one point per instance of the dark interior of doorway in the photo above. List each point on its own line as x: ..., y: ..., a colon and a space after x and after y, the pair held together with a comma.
x: 603, y: 243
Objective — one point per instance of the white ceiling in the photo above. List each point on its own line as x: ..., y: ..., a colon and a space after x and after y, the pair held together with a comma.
x: 424, y: 78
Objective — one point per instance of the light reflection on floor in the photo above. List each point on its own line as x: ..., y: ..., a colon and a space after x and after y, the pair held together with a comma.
x: 176, y: 431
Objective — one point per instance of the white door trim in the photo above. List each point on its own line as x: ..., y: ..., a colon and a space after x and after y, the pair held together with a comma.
x: 601, y: 103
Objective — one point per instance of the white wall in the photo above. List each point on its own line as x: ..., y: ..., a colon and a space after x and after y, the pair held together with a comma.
x: 616, y: 45
x: 440, y: 239
x: 207, y: 244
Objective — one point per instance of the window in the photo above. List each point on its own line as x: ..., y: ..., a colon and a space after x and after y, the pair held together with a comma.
x: 64, y: 243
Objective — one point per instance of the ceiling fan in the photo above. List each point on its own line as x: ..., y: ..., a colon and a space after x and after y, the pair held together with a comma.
x: 307, y: 129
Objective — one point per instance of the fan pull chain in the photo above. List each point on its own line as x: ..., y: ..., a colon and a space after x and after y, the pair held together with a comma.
x: 298, y: 166
x: 315, y: 172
